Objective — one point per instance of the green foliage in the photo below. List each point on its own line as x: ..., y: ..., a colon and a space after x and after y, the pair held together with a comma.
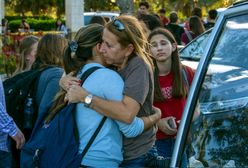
x: 42, y: 17
x: 43, y: 7
x: 35, y: 24
x: 98, y: 5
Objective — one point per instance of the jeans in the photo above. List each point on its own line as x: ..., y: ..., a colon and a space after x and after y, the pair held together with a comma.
x: 5, y: 159
x: 165, y: 149
x: 145, y: 160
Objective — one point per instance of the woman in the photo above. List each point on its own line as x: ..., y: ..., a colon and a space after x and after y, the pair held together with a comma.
x: 27, y: 51
x: 82, y: 54
x: 50, y: 53
x: 61, y: 27
x: 171, y: 87
x: 196, y: 28
x: 124, y: 45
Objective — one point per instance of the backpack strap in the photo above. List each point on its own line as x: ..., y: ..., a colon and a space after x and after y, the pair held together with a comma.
x: 188, y: 35
x: 93, y: 136
x: 87, y: 73
x: 83, y: 78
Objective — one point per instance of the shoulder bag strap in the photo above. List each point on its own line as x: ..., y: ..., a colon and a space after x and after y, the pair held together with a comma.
x: 188, y: 35
x: 93, y: 136
x: 83, y: 78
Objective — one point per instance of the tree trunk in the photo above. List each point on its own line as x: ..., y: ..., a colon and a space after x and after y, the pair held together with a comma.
x: 126, y: 6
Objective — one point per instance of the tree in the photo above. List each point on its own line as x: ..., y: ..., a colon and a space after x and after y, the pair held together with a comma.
x: 126, y: 6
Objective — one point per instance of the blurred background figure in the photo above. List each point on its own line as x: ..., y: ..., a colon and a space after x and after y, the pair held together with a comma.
x: 212, y: 14
x: 27, y: 52
x: 197, y: 11
x: 196, y: 28
x: 4, y: 24
x: 98, y: 19
x: 143, y: 8
x: 61, y: 27
x: 174, y: 28
x: 24, y: 26
x: 151, y: 22
x: 162, y: 16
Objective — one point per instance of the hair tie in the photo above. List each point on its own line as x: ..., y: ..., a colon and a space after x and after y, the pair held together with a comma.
x: 73, y: 46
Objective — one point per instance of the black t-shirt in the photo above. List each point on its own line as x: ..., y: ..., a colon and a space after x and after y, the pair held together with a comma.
x: 176, y: 30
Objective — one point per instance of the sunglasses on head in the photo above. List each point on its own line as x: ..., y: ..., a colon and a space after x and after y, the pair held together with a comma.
x: 118, y: 25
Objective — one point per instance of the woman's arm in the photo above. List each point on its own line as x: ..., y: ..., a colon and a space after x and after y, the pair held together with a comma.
x: 123, y: 111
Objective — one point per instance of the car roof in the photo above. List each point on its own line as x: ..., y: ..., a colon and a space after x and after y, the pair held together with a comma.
x: 101, y: 13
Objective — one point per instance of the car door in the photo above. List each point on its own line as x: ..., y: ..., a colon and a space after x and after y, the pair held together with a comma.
x: 218, y: 136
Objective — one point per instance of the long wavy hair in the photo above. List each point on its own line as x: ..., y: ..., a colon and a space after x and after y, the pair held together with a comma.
x: 50, y: 51
x: 178, y: 89
x: 25, y: 48
x: 134, y: 34
x: 76, y: 55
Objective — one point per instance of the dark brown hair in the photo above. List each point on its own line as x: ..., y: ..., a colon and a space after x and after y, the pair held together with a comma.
x: 196, y: 25
x: 178, y: 89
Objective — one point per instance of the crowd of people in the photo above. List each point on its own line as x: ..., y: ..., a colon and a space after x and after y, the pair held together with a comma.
x: 141, y: 85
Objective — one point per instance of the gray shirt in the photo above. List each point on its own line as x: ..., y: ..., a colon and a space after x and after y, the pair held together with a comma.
x: 139, y: 86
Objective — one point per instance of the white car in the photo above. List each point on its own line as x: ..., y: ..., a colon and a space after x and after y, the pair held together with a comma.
x: 106, y: 15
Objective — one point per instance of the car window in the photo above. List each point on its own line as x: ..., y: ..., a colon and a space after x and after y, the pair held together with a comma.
x: 195, y: 49
x: 219, y: 136
x: 87, y: 19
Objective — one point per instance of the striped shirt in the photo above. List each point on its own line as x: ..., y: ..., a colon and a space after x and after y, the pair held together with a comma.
x: 7, y: 125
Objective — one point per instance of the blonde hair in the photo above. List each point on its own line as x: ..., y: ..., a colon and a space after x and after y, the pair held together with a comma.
x: 134, y: 34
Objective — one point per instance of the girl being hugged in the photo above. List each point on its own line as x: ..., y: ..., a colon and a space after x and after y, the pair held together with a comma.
x: 170, y: 87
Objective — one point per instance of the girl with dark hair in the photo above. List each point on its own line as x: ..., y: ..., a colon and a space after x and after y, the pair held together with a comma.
x: 196, y: 28
x: 171, y: 87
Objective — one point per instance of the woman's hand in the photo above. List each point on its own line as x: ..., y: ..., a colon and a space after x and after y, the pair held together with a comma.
x: 66, y: 81
x: 75, y: 94
x: 164, y: 126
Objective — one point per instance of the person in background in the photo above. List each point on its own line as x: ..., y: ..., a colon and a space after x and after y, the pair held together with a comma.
x: 163, y: 18
x: 174, y: 28
x: 27, y: 52
x: 212, y: 14
x: 98, y: 19
x: 197, y: 11
x: 4, y: 25
x: 170, y: 88
x: 151, y: 22
x: 8, y: 129
x: 24, y: 25
x: 143, y: 8
x: 196, y: 28
x: 125, y: 45
x: 61, y: 27
x: 50, y: 52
